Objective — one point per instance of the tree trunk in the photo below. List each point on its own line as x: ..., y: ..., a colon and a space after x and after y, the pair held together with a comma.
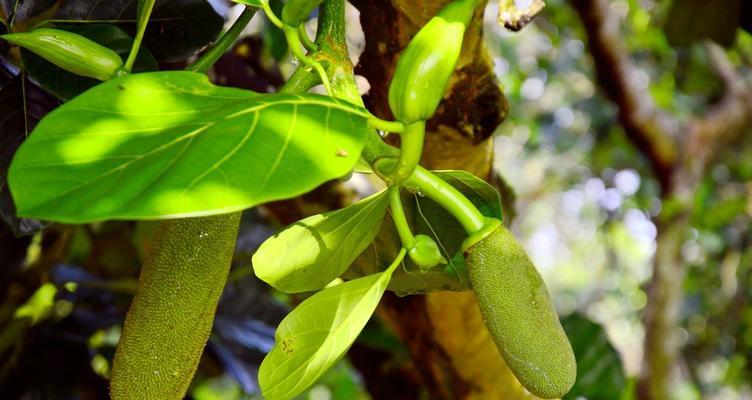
x: 662, y: 317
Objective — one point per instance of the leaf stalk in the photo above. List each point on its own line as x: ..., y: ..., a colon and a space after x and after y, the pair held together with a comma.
x: 225, y: 42
x: 145, y: 8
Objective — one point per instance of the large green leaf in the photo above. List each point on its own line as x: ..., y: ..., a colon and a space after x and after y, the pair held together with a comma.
x: 311, y: 253
x: 316, y: 334
x: 171, y: 144
x: 429, y: 218
x: 600, y: 374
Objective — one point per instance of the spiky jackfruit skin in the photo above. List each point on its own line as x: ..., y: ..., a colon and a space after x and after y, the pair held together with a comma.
x: 519, y: 314
x: 171, y: 316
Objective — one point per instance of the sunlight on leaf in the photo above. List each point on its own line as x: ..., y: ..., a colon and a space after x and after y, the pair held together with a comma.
x: 312, y: 252
x: 314, y: 336
x: 171, y: 144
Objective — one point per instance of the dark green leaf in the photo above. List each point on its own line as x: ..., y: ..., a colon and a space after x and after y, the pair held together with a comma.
x: 311, y: 253
x: 690, y: 21
x: 428, y: 218
x: 20, y: 11
x: 177, y: 28
x: 67, y: 85
x: 316, y: 334
x: 600, y: 374
x: 14, y: 119
x: 171, y: 144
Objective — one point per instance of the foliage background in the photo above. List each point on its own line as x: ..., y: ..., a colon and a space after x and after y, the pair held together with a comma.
x: 589, y: 209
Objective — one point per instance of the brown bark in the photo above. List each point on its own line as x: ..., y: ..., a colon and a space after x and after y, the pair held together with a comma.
x: 444, y: 332
x: 654, y: 134
x: 648, y: 128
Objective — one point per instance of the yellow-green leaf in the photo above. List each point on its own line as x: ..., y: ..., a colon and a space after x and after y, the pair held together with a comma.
x: 311, y: 253
x: 314, y: 336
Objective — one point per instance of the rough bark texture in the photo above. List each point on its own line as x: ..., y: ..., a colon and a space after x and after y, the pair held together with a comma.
x: 678, y: 162
x: 444, y: 332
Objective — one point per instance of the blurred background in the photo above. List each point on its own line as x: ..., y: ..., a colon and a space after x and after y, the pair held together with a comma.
x: 624, y: 161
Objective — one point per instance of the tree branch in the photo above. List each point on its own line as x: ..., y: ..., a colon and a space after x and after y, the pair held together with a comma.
x: 648, y: 128
x: 725, y: 121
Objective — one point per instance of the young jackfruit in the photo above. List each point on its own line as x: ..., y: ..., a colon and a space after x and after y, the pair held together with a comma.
x: 519, y: 314
x: 171, y: 316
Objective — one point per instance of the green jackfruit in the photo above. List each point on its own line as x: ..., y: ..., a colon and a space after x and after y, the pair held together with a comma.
x: 520, y: 316
x: 171, y: 316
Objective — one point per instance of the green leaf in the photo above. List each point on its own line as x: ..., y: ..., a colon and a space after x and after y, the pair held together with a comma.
x: 311, y: 253
x: 171, y: 144
x: 23, y: 104
x: 39, y: 306
x: 600, y: 374
x: 362, y: 167
x: 178, y: 28
x: 66, y: 85
x: 477, y: 190
x: 314, y: 336
x: 429, y: 218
